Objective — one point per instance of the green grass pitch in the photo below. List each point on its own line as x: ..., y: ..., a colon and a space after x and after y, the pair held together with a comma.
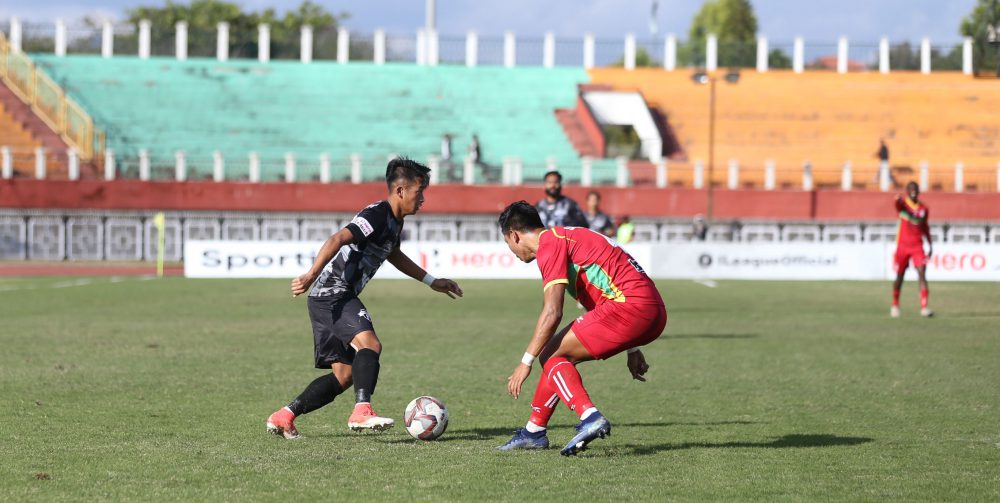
x: 158, y: 390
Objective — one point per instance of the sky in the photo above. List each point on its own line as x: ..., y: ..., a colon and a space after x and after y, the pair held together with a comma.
x: 819, y: 20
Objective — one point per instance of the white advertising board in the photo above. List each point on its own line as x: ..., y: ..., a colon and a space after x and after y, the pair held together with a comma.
x: 775, y: 261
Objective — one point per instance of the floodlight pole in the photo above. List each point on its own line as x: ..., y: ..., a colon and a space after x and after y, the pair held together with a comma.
x: 709, y: 196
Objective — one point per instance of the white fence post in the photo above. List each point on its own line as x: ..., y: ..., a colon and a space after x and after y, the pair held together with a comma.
x: 518, y: 171
x: 7, y: 163
x: 711, y: 53
x: 549, y: 50
x: 699, y: 175
x: 289, y: 167
x: 73, y: 164
x: 144, y: 165
x: 181, y: 40
x: 798, y: 55
x: 967, y: 56
x: 586, y: 171
x: 925, y: 176
x: 222, y: 41
x: 433, y: 48
x: 959, y: 177
x: 107, y: 40
x: 670, y: 52
x: 884, y: 180
x: 846, y: 177
x: 253, y: 172
x: 883, y: 55
x: 434, y: 163
x: 842, y: 55
x: 264, y: 42
x: 60, y: 49
x: 218, y: 167
x: 355, y: 168
x: 379, y: 47
x: 550, y: 164
x: 144, y: 39
x: 40, y: 163
x: 506, y: 171
x: 180, y: 166
x: 109, y: 164
x: 734, y: 174
x: 343, y: 46
x: 762, y: 54
x: 588, y: 51
x: 306, y: 44
x: 15, y: 34
x: 421, y: 47
x: 468, y: 171
x: 661, y: 174
x: 925, y: 55
x: 770, y: 177
x: 807, y: 176
x: 471, y: 49
x: 509, y: 50
x: 630, y: 51
x: 324, y: 168
x: 621, y: 176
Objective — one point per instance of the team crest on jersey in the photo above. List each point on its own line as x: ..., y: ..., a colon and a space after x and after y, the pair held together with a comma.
x: 364, y: 314
x: 363, y: 224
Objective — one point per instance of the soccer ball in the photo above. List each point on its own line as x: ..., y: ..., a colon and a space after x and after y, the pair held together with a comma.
x: 425, y: 418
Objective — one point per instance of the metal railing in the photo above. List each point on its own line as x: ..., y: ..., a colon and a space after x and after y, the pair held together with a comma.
x: 49, y: 102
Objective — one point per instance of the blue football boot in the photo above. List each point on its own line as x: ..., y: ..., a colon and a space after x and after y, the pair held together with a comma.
x: 524, y: 439
x: 594, y: 427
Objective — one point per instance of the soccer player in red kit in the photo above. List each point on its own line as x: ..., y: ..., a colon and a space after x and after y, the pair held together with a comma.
x: 913, y: 229
x: 624, y: 312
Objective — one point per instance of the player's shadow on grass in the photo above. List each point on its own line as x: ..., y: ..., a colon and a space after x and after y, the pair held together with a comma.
x: 710, y: 336
x: 784, y: 442
x: 505, y: 432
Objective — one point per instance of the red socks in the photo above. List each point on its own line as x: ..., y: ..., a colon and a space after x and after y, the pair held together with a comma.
x: 923, y: 298
x: 563, y: 377
x: 544, y: 402
x: 895, y: 297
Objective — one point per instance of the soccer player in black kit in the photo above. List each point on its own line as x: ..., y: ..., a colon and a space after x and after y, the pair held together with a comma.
x: 343, y: 334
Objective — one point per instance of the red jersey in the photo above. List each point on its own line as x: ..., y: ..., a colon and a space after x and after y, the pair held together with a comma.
x: 594, y: 268
x: 912, y: 223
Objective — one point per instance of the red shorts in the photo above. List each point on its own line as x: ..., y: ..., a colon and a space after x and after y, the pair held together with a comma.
x: 906, y: 254
x: 613, y: 327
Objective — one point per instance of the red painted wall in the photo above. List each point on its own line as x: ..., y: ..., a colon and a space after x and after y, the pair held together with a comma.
x: 590, y: 125
x: 345, y: 197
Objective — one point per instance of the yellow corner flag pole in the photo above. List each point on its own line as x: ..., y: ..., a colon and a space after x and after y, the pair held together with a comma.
x: 160, y: 222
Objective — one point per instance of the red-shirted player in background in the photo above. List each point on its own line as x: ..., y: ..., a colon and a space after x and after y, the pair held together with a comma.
x: 912, y: 230
x: 624, y: 311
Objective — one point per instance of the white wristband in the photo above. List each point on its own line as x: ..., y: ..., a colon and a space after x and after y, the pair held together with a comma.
x: 428, y: 279
x: 632, y: 350
x: 528, y: 359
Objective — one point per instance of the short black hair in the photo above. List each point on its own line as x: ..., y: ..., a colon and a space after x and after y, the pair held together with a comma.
x: 594, y: 193
x: 553, y: 172
x: 401, y: 168
x: 520, y: 216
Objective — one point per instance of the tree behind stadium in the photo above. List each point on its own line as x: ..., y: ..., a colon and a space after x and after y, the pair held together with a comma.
x: 985, y: 13
x: 734, y: 24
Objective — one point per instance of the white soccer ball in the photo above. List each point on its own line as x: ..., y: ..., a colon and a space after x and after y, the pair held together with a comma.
x: 425, y: 418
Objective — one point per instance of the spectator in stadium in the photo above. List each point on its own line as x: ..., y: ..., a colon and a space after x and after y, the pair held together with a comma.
x: 699, y: 229
x: 447, y: 164
x: 883, y: 162
x: 474, y: 150
x: 597, y: 220
x: 557, y: 209
x: 625, y: 230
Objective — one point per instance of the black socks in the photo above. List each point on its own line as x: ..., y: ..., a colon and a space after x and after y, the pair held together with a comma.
x: 365, y: 370
x: 320, y: 392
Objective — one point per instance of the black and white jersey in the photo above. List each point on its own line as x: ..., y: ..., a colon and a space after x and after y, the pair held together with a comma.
x: 376, y: 233
x: 564, y: 212
x: 600, y: 222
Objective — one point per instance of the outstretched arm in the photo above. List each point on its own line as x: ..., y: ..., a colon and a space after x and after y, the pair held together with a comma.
x: 548, y: 322
x: 925, y: 229
x: 405, y: 265
x: 326, y: 253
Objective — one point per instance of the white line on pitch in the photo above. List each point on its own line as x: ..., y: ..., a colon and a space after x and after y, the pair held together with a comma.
x: 706, y: 282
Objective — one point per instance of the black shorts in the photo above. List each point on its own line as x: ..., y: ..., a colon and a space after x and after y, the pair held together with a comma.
x: 335, y: 322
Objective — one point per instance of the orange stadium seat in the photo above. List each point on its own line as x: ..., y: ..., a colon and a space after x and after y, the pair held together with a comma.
x: 828, y: 119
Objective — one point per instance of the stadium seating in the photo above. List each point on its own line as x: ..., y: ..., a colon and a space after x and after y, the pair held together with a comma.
x: 828, y: 118
x: 21, y: 143
x: 201, y: 105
